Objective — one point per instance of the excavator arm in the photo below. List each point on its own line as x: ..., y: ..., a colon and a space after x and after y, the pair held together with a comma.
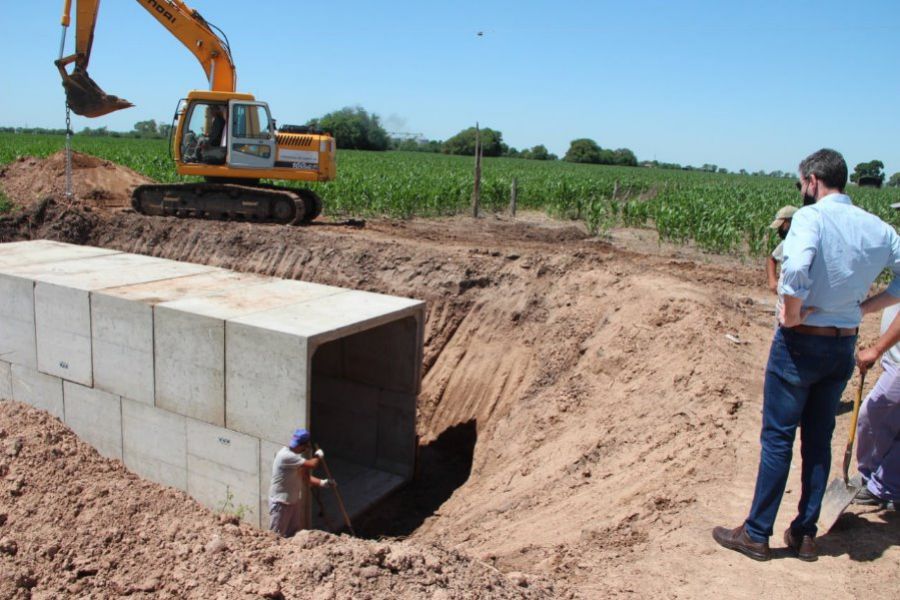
x: 86, y: 98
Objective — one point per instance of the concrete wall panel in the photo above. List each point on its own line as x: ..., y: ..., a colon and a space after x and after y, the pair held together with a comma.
x: 113, y: 270
x: 17, y: 341
x: 345, y: 417
x: 396, y: 439
x: 190, y: 344
x: 38, y: 389
x: 17, y: 254
x: 267, y: 452
x: 266, y: 382
x: 96, y: 417
x: 341, y: 315
x: 122, y: 339
x: 384, y: 356
x: 223, y: 469
x: 122, y: 329
x: 190, y: 364
x: 5, y: 381
x: 154, y: 443
x: 63, y: 332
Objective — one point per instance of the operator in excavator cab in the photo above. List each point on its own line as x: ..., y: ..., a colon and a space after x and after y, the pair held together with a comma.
x: 211, y: 148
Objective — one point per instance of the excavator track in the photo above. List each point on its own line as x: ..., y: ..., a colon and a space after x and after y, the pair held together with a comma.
x: 228, y: 201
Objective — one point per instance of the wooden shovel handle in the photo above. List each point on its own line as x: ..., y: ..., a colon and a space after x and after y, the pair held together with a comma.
x: 337, y: 494
x: 848, y: 454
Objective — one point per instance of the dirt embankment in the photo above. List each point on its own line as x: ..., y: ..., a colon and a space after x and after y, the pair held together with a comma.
x: 587, y: 413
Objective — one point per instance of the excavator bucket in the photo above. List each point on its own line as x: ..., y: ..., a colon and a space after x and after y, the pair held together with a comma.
x: 85, y: 97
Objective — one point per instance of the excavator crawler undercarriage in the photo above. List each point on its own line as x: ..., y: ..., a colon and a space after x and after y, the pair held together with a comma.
x: 228, y: 201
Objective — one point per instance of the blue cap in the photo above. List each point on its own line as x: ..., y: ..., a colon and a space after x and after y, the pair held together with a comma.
x: 300, y: 437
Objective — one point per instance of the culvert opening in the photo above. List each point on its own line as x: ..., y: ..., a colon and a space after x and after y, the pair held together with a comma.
x: 443, y: 466
x: 363, y: 414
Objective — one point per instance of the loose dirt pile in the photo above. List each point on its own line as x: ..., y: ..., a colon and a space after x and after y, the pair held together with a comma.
x: 587, y: 414
x: 75, y: 524
x: 96, y: 183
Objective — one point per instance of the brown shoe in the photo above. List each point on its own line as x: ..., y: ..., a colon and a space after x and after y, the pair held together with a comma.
x: 738, y: 540
x: 804, y: 548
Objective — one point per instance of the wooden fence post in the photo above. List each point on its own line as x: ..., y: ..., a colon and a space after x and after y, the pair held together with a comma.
x: 513, y: 190
x: 476, y: 192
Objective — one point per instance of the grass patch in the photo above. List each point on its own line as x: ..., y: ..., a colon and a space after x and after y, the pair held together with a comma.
x: 5, y: 204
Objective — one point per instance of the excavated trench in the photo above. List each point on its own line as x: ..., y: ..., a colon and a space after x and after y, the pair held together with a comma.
x: 586, y: 414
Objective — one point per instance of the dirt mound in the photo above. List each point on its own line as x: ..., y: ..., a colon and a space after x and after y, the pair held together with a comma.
x: 587, y: 413
x: 96, y: 183
x: 75, y: 524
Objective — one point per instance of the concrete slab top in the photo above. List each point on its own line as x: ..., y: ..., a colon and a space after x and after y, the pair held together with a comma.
x: 17, y: 254
x: 200, y: 284
x: 98, y: 272
x: 341, y: 314
x: 237, y: 302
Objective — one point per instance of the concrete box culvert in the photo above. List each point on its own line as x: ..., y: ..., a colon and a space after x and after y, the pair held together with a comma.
x: 195, y: 376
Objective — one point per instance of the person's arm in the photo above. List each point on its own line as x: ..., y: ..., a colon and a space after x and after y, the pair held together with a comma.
x: 800, y: 248
x: 311, y: 464
x: 771, y: 274
x: 878, y: 302
x: 868, y: 356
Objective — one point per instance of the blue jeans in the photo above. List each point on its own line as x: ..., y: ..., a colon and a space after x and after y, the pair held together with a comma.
x: 805, y: 378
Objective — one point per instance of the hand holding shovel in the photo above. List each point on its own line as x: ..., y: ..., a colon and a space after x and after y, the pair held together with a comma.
x: 333, y: 485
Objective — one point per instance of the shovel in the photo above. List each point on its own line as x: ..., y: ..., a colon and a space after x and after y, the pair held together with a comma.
x: 337, y: 493
x: 841, y: 491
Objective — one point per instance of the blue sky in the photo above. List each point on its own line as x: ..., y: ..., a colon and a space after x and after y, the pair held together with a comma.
x: 755, y: 85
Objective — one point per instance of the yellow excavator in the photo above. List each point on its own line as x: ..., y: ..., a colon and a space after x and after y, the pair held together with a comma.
x: 228, y: 138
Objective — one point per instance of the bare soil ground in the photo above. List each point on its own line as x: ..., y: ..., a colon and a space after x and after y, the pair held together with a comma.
x: 590, y: 410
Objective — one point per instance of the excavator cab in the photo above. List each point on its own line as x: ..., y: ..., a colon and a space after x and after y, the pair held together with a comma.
x: 238, y: 133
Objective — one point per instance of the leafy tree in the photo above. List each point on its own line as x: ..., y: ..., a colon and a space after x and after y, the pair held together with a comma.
x: 354, y: 128
x: 464, y: 142
x: 894, y: 181
x: 164, y: 130
x: 97, y: 132
x: 869, y: 173
x: 624, y: 158
x: 415, y: 145
x: 146, y: 129
x: 538, y: 152
x: 583, y: 150
x: 586, y: 150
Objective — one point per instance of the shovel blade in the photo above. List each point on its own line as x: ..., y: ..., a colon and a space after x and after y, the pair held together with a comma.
x: 85, y: 97
x: 838, y: 496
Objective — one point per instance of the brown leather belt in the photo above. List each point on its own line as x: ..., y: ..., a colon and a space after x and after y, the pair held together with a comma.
x: 825, y: 331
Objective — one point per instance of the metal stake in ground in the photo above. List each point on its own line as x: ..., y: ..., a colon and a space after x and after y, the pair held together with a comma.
x: 337, y: 494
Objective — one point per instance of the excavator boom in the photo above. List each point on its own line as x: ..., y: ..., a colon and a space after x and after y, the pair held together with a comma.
x: 87, y: 99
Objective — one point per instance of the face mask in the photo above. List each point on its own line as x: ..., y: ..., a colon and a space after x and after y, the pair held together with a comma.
x: 808, y: 198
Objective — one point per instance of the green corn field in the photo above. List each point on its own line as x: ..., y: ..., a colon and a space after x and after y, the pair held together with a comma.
x: 718, y: 213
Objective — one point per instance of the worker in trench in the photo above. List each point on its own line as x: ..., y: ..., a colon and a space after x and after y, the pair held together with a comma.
x: 291, y: 472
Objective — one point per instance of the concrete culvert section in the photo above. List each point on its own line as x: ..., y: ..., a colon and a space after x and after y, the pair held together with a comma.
x: 195, y: 376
